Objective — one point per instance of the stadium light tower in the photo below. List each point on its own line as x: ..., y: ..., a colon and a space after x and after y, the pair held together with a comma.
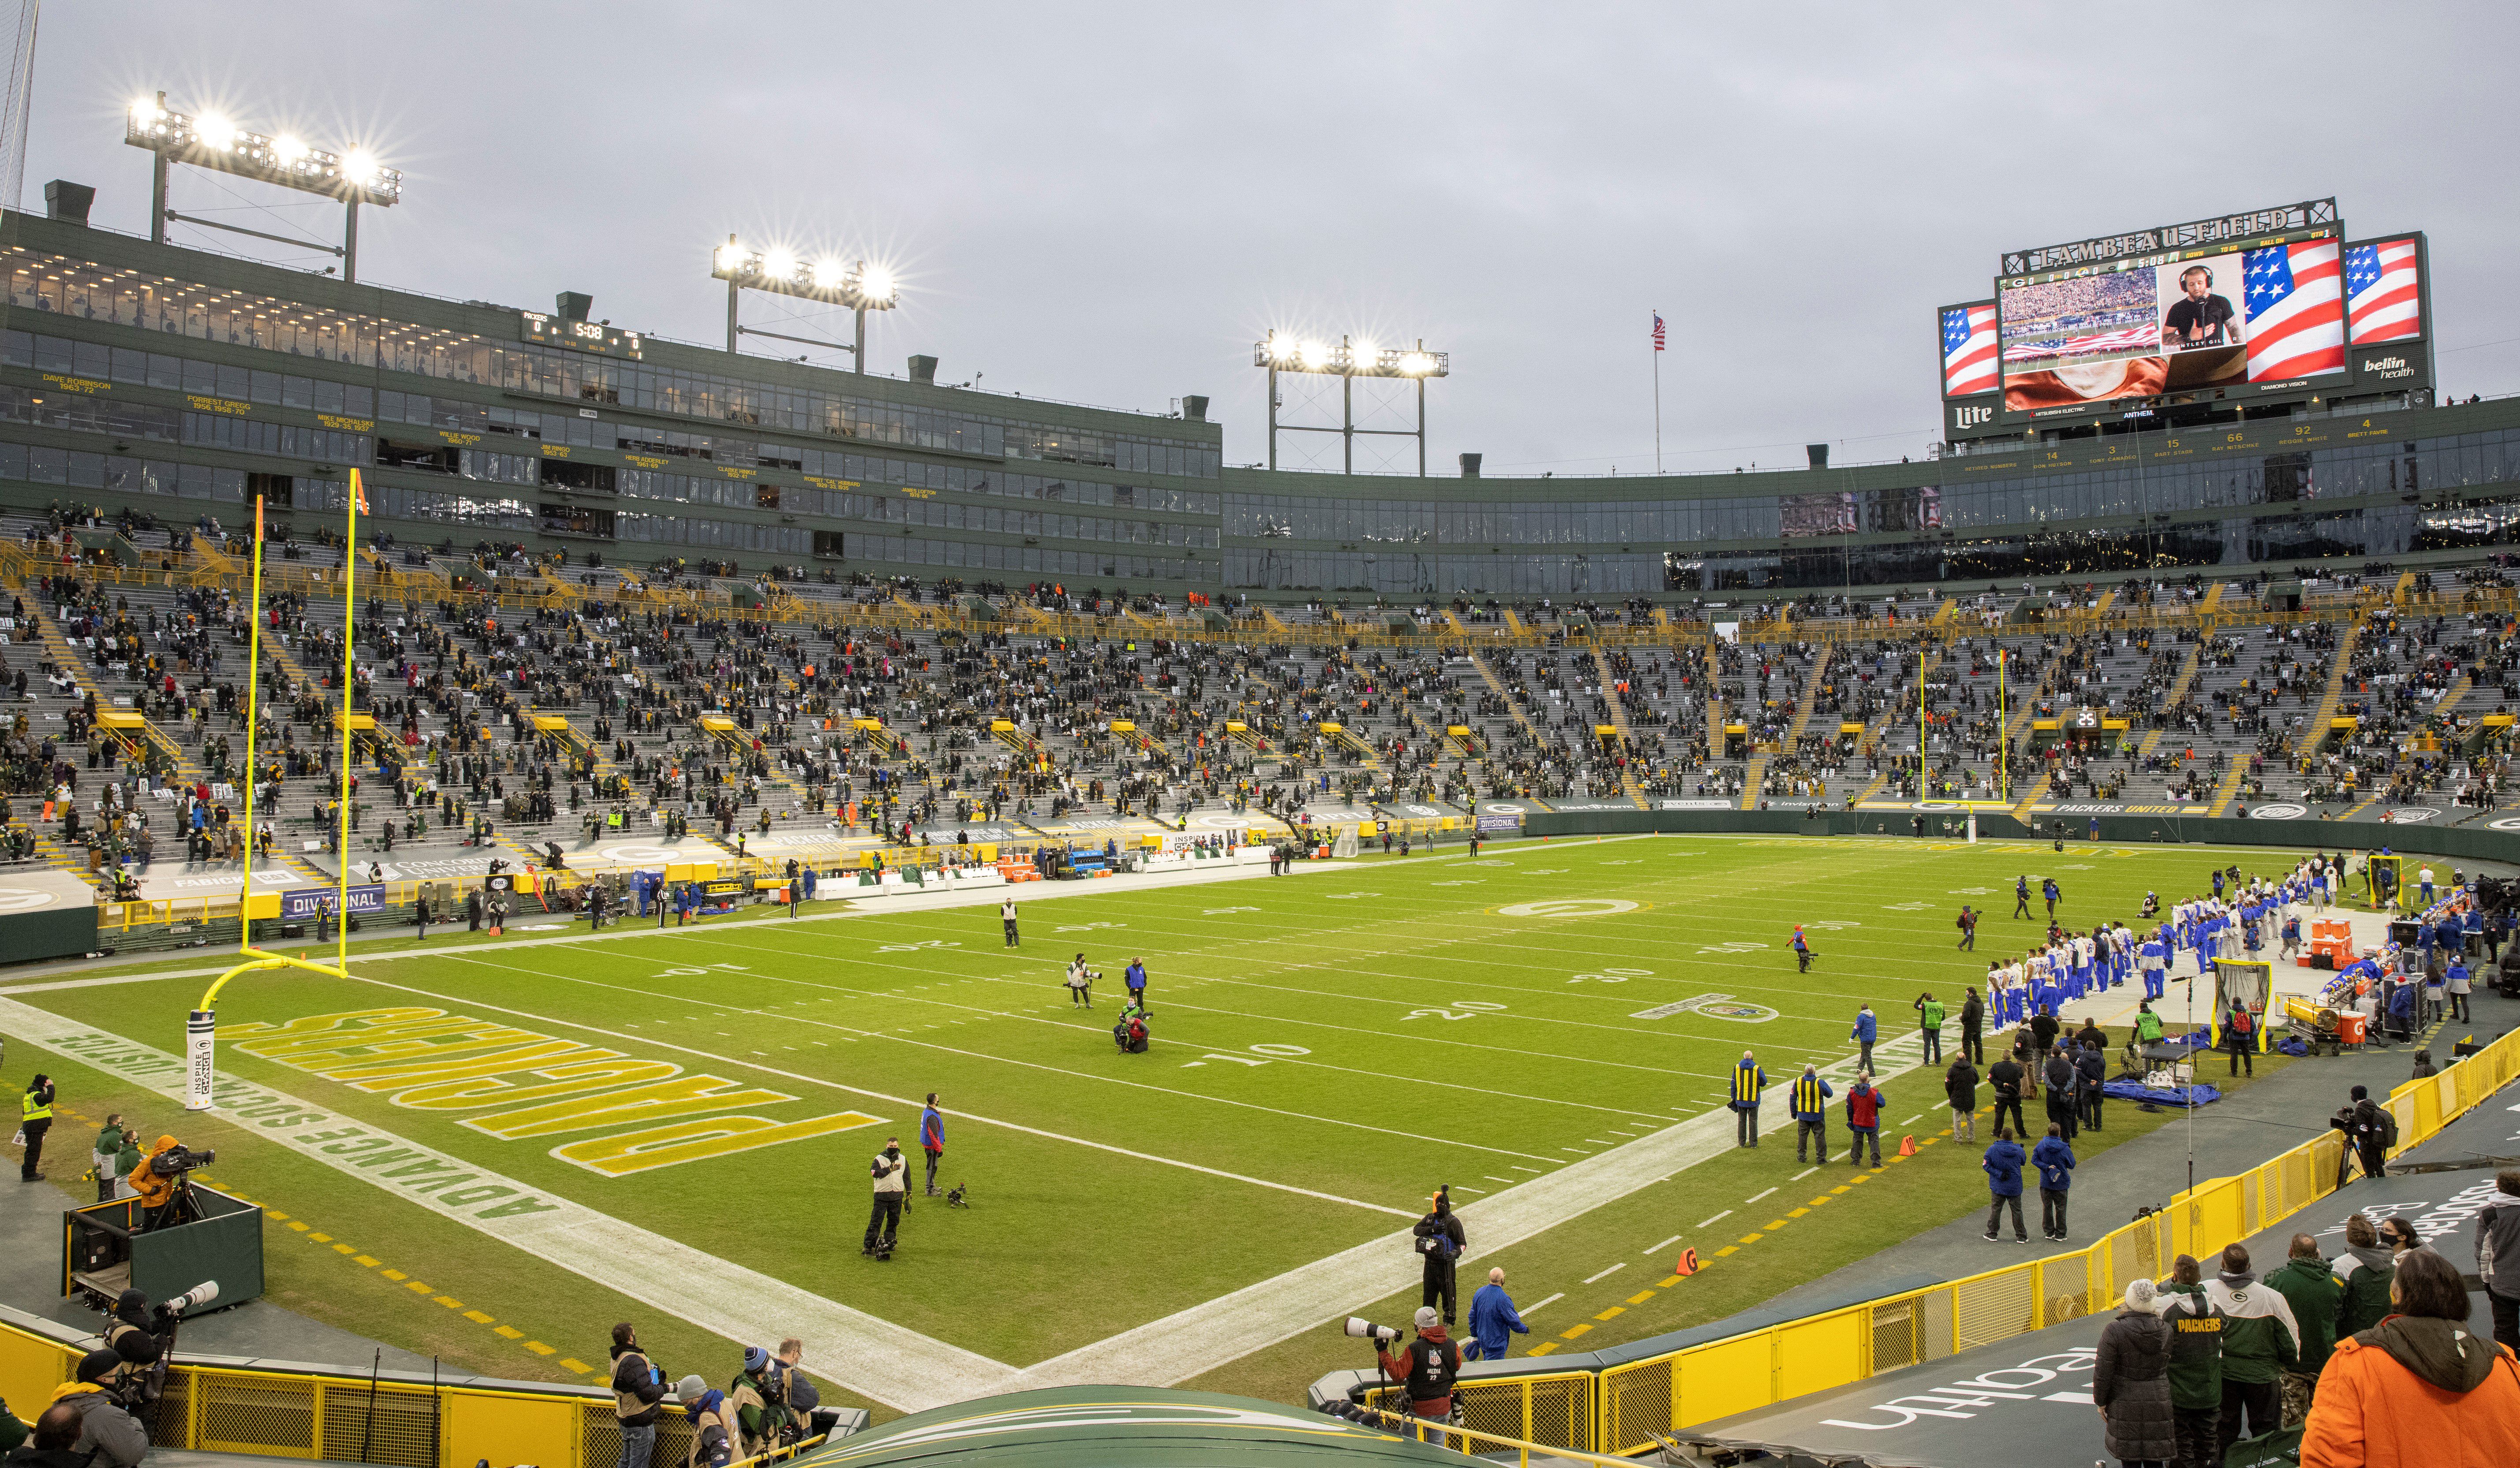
x: 860, y: 287
x: 1348, y: 361
x: 213, y: 142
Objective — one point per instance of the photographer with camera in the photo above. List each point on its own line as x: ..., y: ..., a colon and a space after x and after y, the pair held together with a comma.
x: 1428, y: 1369
x: 758, y: 1398
x: 1439, y: 1242
x: 805, y: 1399
x: 638, y: 1388
x: 713, y: 1425
x: 108, y: 1434
x: 890, y: 1172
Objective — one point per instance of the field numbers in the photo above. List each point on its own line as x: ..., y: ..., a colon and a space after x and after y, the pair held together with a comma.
x: 912, y: 947
x: 1612, y: 976
x: 1457, y: 1009
x: 1268, y: 1051
x: 693, y: 974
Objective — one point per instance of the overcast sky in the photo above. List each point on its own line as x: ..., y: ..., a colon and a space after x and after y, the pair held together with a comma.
x: 1108, y: 203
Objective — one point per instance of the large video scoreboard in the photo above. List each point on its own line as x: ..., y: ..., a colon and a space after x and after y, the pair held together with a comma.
x: 2249, y: 310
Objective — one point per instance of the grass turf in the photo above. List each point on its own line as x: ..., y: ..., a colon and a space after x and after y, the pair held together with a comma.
x: 1362, y: 1033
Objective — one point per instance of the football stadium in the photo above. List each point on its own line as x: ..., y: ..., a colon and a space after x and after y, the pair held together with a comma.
x: 522, y: 831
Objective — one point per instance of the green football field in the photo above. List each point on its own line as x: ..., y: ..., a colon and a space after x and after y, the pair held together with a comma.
x: 1327, y: 1048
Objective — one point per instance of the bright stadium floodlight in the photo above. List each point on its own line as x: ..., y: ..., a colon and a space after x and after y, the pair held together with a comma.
x: 214, y: 141
x: 1347, y: 360
x: 860, y: 287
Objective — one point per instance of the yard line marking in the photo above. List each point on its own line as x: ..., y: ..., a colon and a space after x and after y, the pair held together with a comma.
x: 1003, y: 1060
x: 887, y: 1361
x: 1796, y: 1177
x: 1755, y: 1197
x: 1597, y: 1141
x: 1919, y: 1117
x: 1493, y: 1177
x: 1607, y: 1274
x: 1718, y: 1219
x: 1528, y: 1308
x: 881, y: 1096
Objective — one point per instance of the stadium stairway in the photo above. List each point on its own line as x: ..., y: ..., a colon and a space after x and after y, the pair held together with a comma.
x: 2179, y: 685
x: 1619, y: 721
x: 2314, y: 735
x: 1793, y: 740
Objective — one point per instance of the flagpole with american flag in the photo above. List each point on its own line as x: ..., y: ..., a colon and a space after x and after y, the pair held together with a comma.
x: 1657, y: 376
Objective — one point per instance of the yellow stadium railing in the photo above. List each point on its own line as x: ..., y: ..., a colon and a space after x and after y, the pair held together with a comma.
x: 212, y: 1405
x: 1625, y: 1408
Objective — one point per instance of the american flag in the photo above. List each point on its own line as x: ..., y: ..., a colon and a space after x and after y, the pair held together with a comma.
x: 2093, y: 345
x: 2296, y: 310
x: 1969, y: 350
x: 1657, y: 316
x: 2382, y: 292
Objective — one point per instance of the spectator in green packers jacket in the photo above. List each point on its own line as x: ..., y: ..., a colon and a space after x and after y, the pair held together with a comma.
x: 2260, y: 1343
x: 2314, y: 1293
x: 2195, y: 1362
x: 2369, y: 1264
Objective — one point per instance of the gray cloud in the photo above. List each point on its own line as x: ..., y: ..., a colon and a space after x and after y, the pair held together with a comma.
x: 1108, y: 202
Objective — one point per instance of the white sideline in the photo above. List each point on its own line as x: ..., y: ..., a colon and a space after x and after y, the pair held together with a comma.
x: 891, y: 1363
x: 1200, y: 1339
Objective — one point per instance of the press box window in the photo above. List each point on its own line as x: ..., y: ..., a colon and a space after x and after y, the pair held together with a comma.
x: 592, y: 478
x: 827, y: 544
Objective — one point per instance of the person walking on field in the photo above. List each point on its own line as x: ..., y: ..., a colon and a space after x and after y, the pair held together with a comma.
x: 1007, y: 916
x: 2021, y: 898
x: 2002, y: 1166
x: 1929, y: 1018
x: 1810, y: 1096
x: 1973, y: 1027
x: 1867, y: 1030
x: 1493, y: 1321
x: 2421, y: 1388
x: 2130, y: 1382
x: 1967, y: 922
x: 1802, y: 950
x: 931, y: 1140
x: 1748, y: 1080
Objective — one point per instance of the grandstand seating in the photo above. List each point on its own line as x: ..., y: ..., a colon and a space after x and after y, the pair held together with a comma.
x: 541, y: 697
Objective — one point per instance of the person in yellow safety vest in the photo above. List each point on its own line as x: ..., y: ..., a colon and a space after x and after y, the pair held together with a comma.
x: 1811, y: 1112
x: 34, y: 1119
x: 1748, y: 1080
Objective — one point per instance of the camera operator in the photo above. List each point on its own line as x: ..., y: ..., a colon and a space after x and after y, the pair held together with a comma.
x: 805, y: 1399
x: 159, y: 1181
x: 1427, y: 1367
x: 108, y: 1433
x: 1440, y: 1241
x: 129, y: 1332
x: 638, y: 1387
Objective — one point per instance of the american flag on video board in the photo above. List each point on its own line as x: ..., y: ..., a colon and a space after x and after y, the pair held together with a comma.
x: 1969, y: 350
x: 2383, y: 295
x: 2296, y: 310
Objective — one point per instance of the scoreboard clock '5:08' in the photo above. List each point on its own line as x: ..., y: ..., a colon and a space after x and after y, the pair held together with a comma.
x: 579, y: 335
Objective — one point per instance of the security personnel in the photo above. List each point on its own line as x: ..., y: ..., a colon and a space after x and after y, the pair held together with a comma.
x: 36, y: 1118
x: 1810, y: 1111
x: 1748, y: 1080
x: 892, y: 1174
x: 1427, y: 1367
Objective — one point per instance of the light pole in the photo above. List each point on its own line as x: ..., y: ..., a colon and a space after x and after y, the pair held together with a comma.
x: 1348, y: 360
x: 857, y: 287
x: 211, y: 141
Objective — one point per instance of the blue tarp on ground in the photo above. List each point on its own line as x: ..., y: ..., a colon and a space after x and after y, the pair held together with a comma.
x: 2175, y: 1095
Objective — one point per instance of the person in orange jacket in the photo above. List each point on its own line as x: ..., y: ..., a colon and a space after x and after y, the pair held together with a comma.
x: 2420, y: 1388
